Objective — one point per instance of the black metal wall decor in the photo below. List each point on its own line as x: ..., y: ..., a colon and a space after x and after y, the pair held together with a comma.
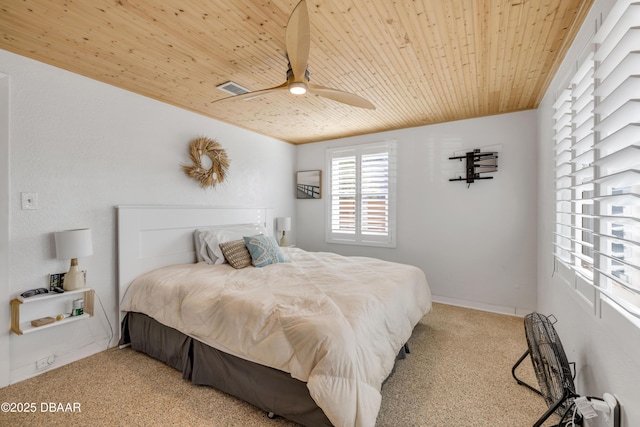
x: 477, y: 163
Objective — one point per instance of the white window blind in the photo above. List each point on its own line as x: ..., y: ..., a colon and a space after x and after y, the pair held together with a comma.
x: 582, y: 125
x: 597, y: 147
x: 617, y: 180
x: 563, y: 179
x: 361, y: 202
x: 343, y: 193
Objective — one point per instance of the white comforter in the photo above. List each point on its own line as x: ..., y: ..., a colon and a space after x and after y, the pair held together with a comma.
x: 334, y: 322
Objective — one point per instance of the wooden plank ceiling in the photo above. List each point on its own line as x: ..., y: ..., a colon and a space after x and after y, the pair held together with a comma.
x: 419, y: 62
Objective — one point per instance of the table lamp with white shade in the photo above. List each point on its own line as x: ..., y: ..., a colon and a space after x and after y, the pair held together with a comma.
x: 283, y: 224
x: 73, y: 244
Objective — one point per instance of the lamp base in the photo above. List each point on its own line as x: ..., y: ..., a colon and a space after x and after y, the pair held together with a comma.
x: 283, y: 240
x: 74, y: 279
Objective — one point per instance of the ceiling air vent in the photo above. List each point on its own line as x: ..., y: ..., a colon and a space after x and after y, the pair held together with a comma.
x: 232, y: 88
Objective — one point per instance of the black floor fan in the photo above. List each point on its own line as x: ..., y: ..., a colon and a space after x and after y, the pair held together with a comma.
x: 551, y: 367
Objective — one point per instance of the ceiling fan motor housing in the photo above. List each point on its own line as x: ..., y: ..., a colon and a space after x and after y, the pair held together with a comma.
x: 297, y: 87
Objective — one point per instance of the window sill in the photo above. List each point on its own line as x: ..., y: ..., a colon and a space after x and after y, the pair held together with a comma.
x: 391, y: 245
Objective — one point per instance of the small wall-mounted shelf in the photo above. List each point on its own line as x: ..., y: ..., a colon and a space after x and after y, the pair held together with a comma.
x: 26, y: 327
x: 477, y: 163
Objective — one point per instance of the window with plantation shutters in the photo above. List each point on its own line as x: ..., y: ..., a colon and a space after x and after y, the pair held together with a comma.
x: 597, y: 140
x: 361, y: 200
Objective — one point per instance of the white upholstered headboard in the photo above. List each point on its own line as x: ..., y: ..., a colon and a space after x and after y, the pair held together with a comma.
x: 151, y: 237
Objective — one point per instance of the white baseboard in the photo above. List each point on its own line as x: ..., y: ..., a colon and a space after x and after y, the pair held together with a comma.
x: 30, y: 371
x: 513, y: 311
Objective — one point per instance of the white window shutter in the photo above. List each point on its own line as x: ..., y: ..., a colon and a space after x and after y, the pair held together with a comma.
x: 361, y: 204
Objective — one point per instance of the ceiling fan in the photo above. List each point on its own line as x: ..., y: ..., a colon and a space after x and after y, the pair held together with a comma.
x: 297, y: 44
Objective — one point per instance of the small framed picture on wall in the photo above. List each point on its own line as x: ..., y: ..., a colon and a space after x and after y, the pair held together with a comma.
x: 309, y: 184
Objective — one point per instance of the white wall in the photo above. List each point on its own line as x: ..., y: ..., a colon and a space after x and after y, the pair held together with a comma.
x: 477, y: 245
x: 603, y: 343
x: 4, y: 224
x: 86, y: 147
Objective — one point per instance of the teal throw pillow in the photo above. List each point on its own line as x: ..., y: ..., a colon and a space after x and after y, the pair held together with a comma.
x: 264, y: 250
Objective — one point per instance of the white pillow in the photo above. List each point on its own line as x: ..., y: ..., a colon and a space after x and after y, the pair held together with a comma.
x: 207, y: 240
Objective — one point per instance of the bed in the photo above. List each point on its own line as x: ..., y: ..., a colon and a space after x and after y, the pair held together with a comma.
x: 310, y: 336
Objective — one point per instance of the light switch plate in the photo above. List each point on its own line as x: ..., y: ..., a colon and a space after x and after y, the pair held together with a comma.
x: 29, y: 200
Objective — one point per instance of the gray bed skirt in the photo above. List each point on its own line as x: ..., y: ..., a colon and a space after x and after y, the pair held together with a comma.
x: 269, y: 389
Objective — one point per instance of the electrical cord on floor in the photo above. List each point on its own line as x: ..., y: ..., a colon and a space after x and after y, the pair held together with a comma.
x: 106, y: 317
x: 573, y: 417
x: 564, y: 415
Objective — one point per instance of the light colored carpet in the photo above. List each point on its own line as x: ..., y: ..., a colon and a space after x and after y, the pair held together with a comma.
x: 458, y: 374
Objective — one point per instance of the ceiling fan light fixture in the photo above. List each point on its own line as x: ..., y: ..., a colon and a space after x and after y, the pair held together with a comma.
x: 298, y: 88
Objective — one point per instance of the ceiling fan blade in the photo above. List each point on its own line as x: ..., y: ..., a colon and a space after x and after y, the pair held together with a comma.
x: 248, y: 95
x: 341, y: 96
x: 298, y: 40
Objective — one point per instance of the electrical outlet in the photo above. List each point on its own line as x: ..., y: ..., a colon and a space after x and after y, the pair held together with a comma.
x: 29, y: 200
x: 45, y: 363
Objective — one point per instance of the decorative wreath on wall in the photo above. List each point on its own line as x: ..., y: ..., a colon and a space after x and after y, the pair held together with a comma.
x: 208, y: 177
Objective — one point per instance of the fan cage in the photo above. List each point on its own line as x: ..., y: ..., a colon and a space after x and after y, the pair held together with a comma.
x: 552, y: 369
